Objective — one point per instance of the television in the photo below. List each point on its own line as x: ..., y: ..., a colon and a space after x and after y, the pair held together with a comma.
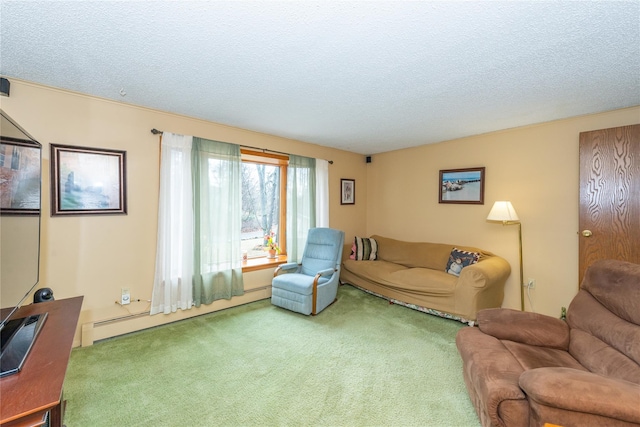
x: 20, y: 201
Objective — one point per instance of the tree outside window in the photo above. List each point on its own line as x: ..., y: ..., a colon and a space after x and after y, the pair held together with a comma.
x: 262, y: 202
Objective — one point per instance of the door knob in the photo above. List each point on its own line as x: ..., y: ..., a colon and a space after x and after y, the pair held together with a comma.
x: 587, y: 233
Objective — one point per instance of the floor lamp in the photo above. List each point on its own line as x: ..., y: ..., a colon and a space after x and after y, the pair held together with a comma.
x: 503, y: 212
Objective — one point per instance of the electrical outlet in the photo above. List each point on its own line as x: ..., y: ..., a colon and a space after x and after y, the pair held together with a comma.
x: 531, y: 283
x: 125, y: 297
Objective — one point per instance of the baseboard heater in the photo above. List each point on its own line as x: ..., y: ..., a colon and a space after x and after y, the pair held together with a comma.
x: 87, y: 336
x: 88, y: 328
x: 120, y: 318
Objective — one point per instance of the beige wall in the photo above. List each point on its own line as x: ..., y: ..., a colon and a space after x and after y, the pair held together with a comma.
x: 535, y: 167
x: 95, y: 256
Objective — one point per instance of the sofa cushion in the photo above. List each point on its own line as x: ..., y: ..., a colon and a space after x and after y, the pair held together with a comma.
x: 459, y: 259
x: 532, y: 356
x: 614, y: 285
x: 587, y: 314
x: 423, y: 280
x: 413, y: 254
x: 372, y: 270
x: 414, y: 280
x: 364, y: 249
x: 600, y: 358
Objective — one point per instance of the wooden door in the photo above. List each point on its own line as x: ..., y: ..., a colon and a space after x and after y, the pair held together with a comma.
x: 609, y: 196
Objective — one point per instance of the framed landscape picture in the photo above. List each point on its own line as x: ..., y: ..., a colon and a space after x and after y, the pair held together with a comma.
x: 19, y: 179
x: 347, y: 191
x: 464, y: 186
x: 87, y: 181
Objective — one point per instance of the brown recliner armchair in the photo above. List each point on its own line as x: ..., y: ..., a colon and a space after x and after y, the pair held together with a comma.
x: 527, y: 369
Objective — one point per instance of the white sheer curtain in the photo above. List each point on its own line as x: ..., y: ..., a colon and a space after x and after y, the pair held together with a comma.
x: 218, y: 221
x: 301, y: 204
x: 173, y: 282
x: 322, y: 193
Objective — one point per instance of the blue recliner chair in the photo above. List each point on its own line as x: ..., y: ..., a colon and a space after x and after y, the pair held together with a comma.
x: 309, y: 287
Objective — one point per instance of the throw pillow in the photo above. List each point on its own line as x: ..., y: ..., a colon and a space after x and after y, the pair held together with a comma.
x: 460, y: 259
x: 364, y: 249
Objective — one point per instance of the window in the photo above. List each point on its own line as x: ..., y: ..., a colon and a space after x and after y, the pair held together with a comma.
x: 264, y: 178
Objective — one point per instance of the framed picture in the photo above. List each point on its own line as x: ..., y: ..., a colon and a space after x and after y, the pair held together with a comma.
x: 19, y: 179
x: 347, y: 191
x: 464, y: 186
x: 87, y: 181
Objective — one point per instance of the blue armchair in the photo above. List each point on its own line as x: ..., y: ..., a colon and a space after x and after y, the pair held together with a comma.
x: 309, y: 287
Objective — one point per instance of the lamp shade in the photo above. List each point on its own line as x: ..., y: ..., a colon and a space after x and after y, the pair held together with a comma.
x: 503, y: 211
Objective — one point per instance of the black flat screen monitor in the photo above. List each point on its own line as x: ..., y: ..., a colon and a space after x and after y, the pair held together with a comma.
x: 20, y: 200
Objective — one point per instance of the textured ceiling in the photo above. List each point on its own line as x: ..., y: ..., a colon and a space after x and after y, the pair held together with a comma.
x: 366, y: 77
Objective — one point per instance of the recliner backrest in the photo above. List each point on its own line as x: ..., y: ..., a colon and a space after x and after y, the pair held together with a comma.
x: 323, y: 250
x: 604, y: 318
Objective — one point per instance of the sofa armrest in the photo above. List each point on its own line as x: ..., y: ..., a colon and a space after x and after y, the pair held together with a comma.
x: 584, y: 392
x: 524, y: 327
x: 492, y: 271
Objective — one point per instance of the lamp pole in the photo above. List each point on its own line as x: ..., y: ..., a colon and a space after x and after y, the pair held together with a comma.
x: 503, y: 211
x: 521, y: 269
x: 519, y: 224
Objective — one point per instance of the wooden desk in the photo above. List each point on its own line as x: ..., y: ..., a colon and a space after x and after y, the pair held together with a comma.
x: 26, y: 397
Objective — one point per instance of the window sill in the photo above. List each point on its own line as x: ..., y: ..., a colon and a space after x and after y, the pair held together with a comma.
x: 262, y: 263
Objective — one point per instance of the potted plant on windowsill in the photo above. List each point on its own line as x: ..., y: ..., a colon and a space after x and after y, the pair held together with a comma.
x: 271, y: 245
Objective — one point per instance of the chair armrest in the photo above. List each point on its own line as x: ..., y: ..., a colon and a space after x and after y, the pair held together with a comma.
x: 326, y: 272
x: 524, y: 327
x: 585, y: 392
x: 284, y: 268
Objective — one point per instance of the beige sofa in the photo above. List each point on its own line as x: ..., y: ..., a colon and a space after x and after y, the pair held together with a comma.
x: 413, y: 273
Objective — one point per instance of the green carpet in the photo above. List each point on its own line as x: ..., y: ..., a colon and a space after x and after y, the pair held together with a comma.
x: 361, y: 362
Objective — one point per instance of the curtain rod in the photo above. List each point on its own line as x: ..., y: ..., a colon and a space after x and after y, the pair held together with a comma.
x: 159, y: 132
